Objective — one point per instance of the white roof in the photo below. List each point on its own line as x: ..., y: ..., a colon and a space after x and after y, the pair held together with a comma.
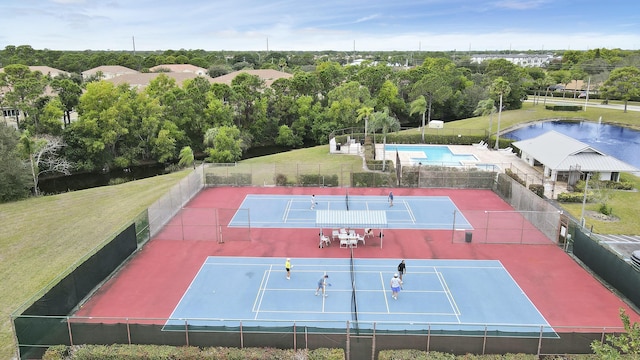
x: 562, y: 153
x: 352, y: 218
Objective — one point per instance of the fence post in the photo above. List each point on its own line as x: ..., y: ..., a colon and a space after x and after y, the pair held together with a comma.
x: 428, y: 338
x: 70, y: 334
x: 186, y: 331
x: 373, y: 343
x: 348, y: 343
x: 128, y: 332
x: 540, y: 340
x: 484, y: 340
x: 486, y: 229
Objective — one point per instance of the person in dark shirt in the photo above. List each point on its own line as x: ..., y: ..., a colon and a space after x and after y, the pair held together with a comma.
x: 402, y: 268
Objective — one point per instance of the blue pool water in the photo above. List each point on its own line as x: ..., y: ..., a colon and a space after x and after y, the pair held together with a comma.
x: 433, y: 155
x: 619, y: 142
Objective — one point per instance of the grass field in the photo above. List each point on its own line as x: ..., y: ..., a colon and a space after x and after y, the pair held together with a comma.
x: 41, y: 237
x: 316, y: 160
x: 625, y: 206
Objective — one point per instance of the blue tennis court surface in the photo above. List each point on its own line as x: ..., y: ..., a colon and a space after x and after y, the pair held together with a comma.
x: 294, y: 211
x: 448, y: 296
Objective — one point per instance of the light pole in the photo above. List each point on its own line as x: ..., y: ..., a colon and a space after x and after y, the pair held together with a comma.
x: 584, y: 200
x: 497, y: 145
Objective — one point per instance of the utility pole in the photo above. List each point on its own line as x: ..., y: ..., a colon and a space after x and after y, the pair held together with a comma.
x: 584, y: 200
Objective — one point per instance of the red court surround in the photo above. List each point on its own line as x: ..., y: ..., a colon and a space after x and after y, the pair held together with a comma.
x: 153, y: 282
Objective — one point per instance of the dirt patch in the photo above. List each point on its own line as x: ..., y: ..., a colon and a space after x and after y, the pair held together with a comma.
x: 601, y: 217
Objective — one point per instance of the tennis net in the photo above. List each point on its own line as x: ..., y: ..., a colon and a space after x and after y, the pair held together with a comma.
x: 354, y: 303
x: 346, y: 200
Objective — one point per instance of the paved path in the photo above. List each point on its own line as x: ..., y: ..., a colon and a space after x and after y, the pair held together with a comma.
x: 592, y: 103
x: 623, y: 245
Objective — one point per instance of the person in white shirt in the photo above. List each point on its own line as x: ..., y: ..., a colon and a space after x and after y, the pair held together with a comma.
x: 396, y: 283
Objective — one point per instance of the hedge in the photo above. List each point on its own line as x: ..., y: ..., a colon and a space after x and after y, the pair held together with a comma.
x: 165, y: 352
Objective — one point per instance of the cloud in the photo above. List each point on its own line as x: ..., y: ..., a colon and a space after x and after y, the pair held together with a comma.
x: 367, y: 18
x: 520, y: 4
x: 66, y: 2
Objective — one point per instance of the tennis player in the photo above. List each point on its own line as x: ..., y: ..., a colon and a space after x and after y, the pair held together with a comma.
x: 287, y: 266
x: 395, y: 286
x: 322, y: 285
x: 390, y: 198
x: 402, y: 268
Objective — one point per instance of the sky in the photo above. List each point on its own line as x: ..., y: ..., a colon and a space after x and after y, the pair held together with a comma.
x: 306, y: 25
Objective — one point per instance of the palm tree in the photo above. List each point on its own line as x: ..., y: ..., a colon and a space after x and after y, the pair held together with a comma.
x: 499, y: 87
x: 419, y: 106
x: 186, y: 157
x: 484, y: 108
x: 382, y: 120
x: 365, y: 113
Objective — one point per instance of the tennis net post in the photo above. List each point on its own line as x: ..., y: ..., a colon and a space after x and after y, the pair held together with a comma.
x: 346, y: 199
x: 354, y: 303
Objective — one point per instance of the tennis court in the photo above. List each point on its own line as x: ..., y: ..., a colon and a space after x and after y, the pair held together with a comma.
x: 294, y: 211
x: 449, y: 296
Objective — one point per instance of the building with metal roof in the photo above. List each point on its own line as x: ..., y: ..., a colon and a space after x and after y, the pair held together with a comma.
x: 560, y: 155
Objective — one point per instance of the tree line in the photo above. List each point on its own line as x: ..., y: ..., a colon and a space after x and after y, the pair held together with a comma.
x: 119, y: 126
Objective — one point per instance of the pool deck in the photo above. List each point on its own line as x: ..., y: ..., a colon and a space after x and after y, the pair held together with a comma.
x: 504, y: 159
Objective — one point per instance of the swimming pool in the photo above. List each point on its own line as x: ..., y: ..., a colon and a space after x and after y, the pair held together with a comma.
x: 431, y: 155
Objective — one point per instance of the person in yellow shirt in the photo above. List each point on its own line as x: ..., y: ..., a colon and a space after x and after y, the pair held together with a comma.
x: 287, y: 266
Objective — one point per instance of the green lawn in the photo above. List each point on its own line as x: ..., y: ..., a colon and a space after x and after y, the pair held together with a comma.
x: 41, y: 237
x: 625, y: 206
x: 531, y: 112
x: 315, y: 160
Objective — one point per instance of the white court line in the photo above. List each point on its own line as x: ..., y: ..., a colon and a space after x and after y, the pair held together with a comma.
x: 384, y: 294
x: 286, y: 211
x: 411, y: 216
x: 526, y: 296
x: 452, y: 301
x: 188, y: 288
x: 265, y: 279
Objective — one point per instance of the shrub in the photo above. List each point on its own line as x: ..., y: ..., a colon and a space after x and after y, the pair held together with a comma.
x: 318, y: 180
x: 232, y: 179
x: 537, y: 189
x: 606, y: 210
x: 574, y: 197
x: 281, y: 179
x: 563, y: 107
x: 174, y: 167
x: 117, y: 181
x: 616, y: 185
x: 515, y: 177
x: 377, y: 165
x: 57, y: 352
x: 325, y: 354
x: 121, y: 351
x: 414, y: 355
x: 373, y: 179
x: 627, y: 342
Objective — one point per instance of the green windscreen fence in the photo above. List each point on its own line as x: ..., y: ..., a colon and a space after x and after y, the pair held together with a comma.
x: 65, y: 295
x: 610, y: 267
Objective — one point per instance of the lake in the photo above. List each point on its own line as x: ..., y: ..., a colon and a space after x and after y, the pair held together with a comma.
x: 619, y: 142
